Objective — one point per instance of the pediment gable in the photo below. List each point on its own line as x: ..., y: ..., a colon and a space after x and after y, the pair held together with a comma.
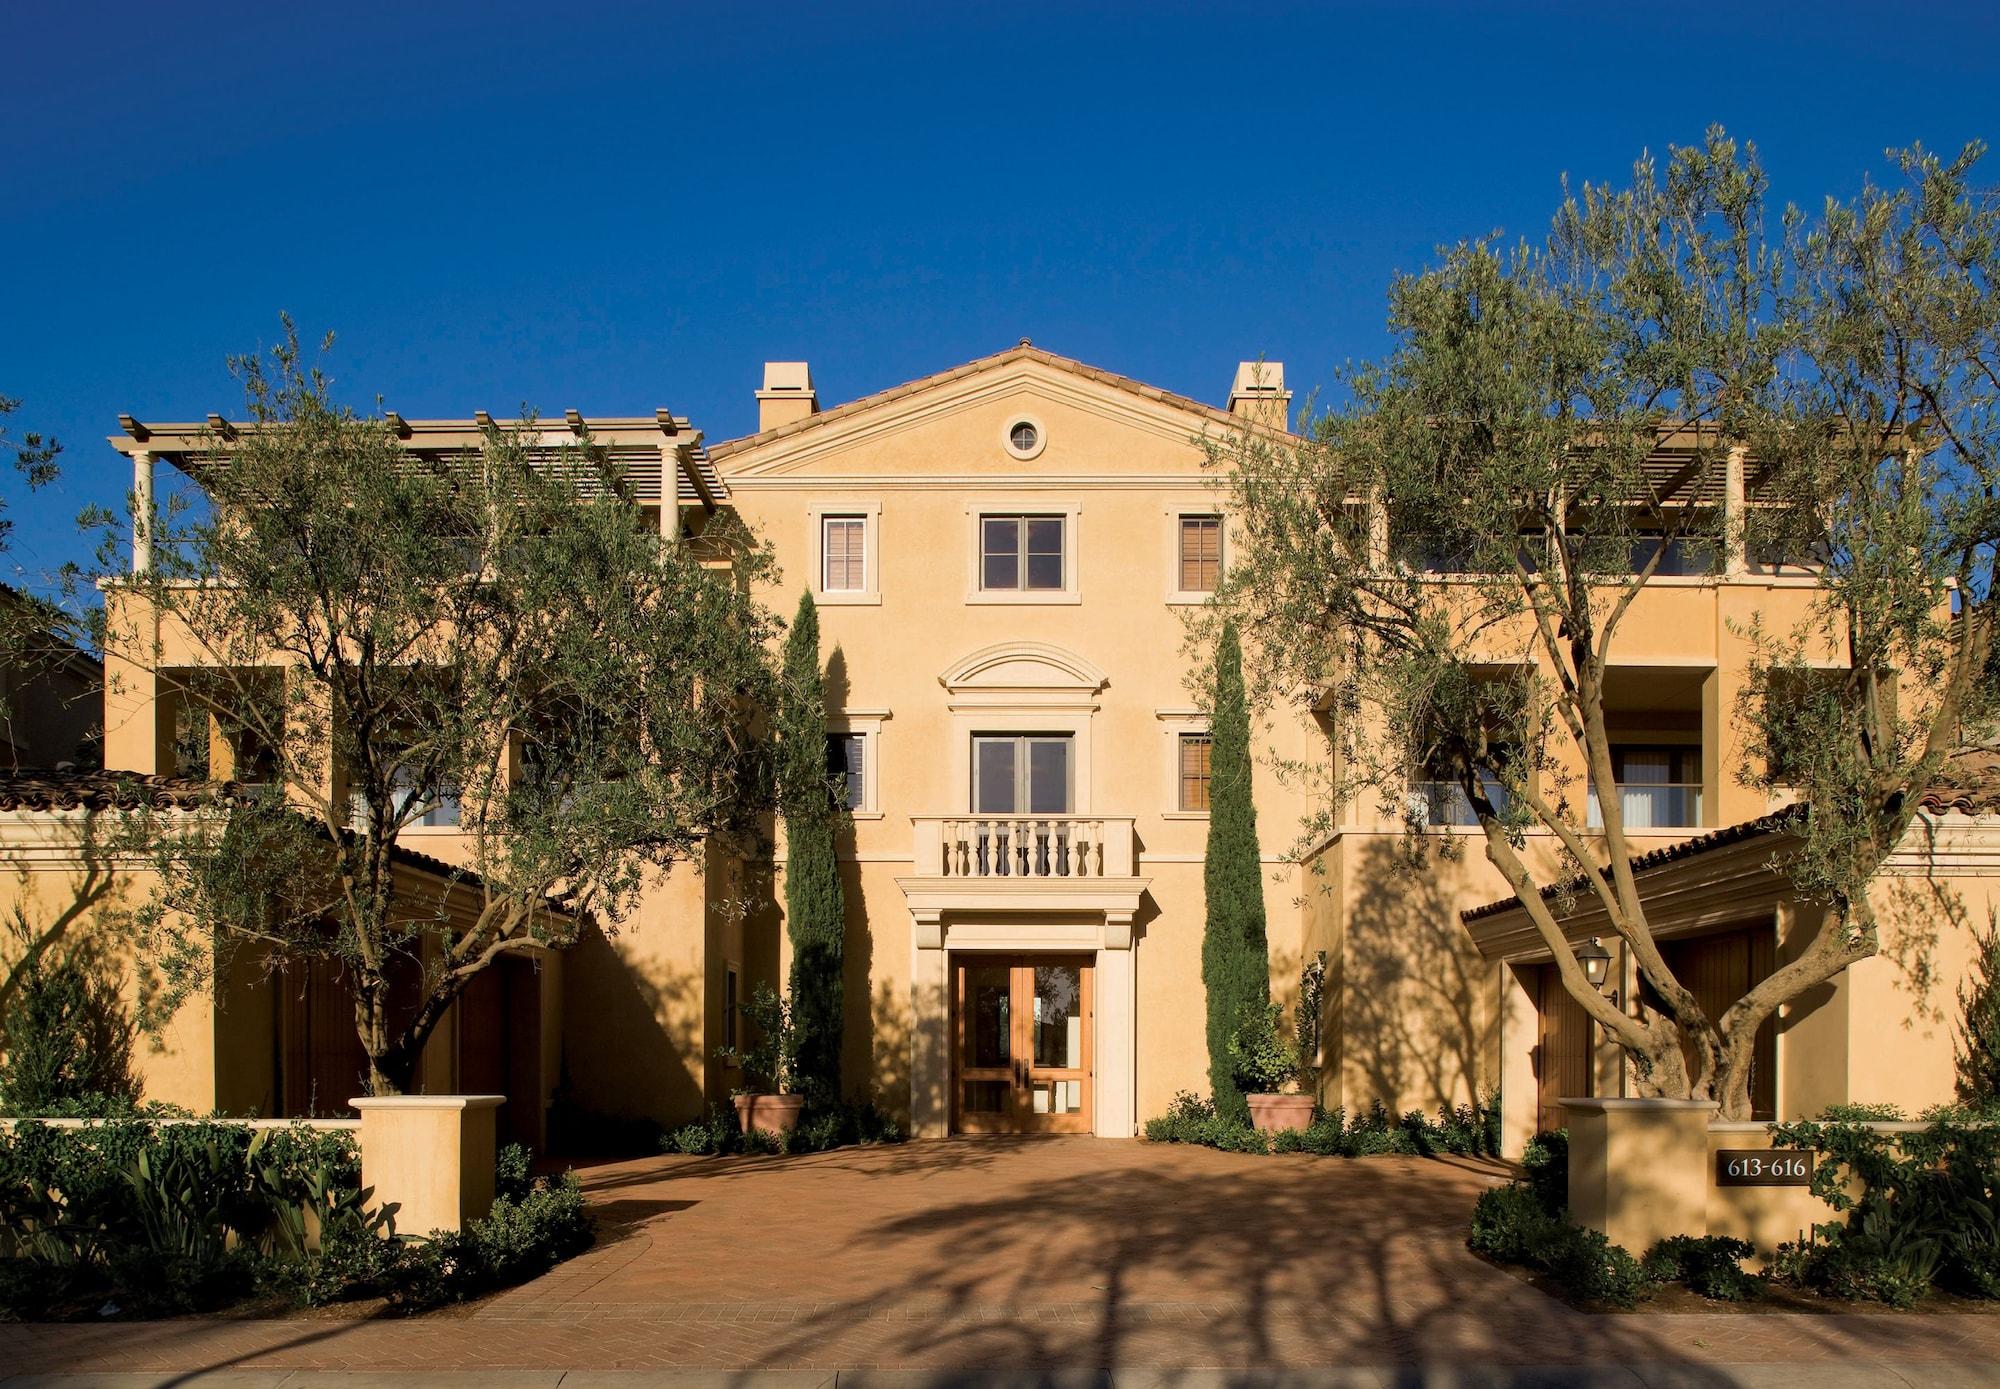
x: 1024, y: 379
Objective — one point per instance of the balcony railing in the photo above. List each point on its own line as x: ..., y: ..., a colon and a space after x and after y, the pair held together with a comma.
x: 1023, y: 846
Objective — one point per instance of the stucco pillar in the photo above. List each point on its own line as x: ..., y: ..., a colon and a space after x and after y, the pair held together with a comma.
x: 930, y: 1029
x: 1519, y: 1096
x: 1115, y: 1031
x: 142, y: 512
x: 432, y: 1155
x: 1638, y: 1169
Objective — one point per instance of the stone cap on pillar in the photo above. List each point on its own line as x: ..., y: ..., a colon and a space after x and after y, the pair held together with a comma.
x: 365, y: 1102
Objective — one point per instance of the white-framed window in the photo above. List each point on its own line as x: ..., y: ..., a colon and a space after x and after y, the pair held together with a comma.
x: 843, y: 554
x: 846, y: 535
x: 854, y: 760
x: 847, y: 769
x: 1186, y: 763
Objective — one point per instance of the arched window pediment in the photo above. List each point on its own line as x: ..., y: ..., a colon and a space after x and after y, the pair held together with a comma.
x: 1023, y: 667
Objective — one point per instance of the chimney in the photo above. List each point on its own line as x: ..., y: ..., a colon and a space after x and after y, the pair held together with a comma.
x: 1259, y: 393
x: 787, y: 395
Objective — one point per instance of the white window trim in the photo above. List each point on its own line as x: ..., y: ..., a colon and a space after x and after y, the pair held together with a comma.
x: 869, y: 509
x: 1071, y: 512
x: 1176, y: 595
x: 868, y: 723
x: 1173, y: 723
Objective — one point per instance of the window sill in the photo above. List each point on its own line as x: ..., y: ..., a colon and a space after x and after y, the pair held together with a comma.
x: 1044, y: 597
x: 1188, y: 600
x: 865, y: 815
x: 847, y: 600
x: 1184, y: 815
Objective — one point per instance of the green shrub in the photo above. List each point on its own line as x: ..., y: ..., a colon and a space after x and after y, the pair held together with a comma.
x: 1262, y: 1059
x: 1875, y: 1257
x: 185, y: 1217
x: 68, y: 1044
x: 1464, y: 1130
x: 1511, y: 1225
x: 513, y: 1172
x: 1979, y: 1022
x: 1192, y: 1119
x: 820, y: 1128
x: 1927, y: 1210
x: 158, y: 1217
x: 1711, y: 1265
x: 1863, y: 1112
x: 1546, y: 1161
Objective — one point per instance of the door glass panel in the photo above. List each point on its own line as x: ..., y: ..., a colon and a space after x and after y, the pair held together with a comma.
x: 1058, y: 1097
x: 987, y: 1008
x: 1058, y: 1016
x: 987, y: 1096
x: 1048, y: 776
x: 993, y: 776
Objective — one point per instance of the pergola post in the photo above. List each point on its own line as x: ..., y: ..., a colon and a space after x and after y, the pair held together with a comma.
x: 142, y: 512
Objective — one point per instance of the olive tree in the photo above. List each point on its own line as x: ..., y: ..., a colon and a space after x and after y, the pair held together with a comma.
x: 1449, y: 559
x: 371, y: 637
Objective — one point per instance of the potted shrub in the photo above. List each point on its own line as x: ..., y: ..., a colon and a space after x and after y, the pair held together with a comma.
x: 763, y: 1102
x: 1265, y: 1063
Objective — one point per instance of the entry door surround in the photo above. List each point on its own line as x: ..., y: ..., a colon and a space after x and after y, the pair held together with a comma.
x: 1031, y: 689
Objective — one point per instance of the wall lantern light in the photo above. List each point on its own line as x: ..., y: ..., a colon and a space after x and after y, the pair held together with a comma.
x: 1596, y: 962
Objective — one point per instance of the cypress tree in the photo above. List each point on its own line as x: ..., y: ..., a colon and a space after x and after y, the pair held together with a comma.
x: 815, y: 915
x: 1979, y: 1025
x: 1235, y: 954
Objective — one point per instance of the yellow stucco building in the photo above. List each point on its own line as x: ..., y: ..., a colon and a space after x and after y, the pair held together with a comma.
x: 1003, y: 555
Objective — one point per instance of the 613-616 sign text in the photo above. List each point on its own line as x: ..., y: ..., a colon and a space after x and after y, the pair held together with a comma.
x: 1764, y: 1167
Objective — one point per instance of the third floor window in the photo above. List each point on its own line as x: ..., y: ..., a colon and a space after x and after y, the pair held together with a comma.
x: 1021, y: 552
x: 844, y: 546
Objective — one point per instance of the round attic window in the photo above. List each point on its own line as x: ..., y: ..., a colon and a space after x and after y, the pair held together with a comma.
x: 1024, y: 437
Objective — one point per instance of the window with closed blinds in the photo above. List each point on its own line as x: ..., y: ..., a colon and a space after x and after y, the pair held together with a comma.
x: 1194, y: 770
x: 1201, y: 553
x: 844, y: 544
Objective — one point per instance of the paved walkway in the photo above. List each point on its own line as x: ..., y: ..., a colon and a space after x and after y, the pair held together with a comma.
x: 983, y: 1254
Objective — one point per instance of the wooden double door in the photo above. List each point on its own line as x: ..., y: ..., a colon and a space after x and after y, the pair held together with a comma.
x: 1022, y: 1043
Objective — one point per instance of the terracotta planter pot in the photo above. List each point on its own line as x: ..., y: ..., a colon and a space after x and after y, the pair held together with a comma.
x: 1269, y: 1113
x: 769, y: 1114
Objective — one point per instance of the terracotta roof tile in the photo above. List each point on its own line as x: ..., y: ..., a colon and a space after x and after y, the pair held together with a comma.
x: 1968, y: 785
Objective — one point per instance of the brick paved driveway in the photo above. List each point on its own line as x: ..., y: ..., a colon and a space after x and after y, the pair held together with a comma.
x: 1022, y: 1253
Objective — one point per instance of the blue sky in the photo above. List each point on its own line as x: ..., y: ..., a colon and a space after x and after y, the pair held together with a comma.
x: 614, y: 208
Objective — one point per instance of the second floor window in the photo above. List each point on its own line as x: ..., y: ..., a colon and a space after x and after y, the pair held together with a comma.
x: 1194, y: 770
x: 844, y: 543
x: 1021, y: 552
x: 1201, y: 553
x: 428, y: 810
x: 846, y: 769
x: 1436, y: 800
